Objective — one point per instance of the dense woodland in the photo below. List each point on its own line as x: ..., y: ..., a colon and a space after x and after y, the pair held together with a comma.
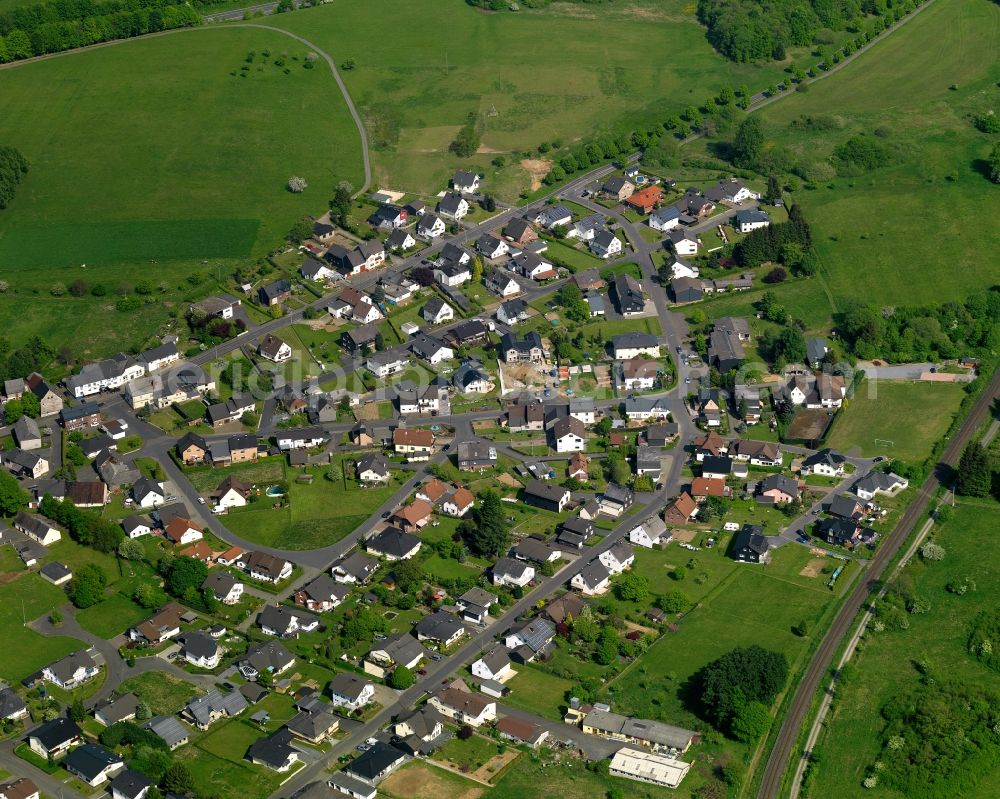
x: 13, y: 168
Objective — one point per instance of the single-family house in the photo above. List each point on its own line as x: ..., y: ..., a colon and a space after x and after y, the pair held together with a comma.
x: 93, y: 764
x: 627, y: 346
x: 493, y: 665
x: 440, y: 627
x: 681, y: 510
x: 651, y: 533
x: 464, y: 707
x: 350, y: 691
x: 593, y: 579
x: 430, y: 226
x: 547, y: 496
x: 750, y: 545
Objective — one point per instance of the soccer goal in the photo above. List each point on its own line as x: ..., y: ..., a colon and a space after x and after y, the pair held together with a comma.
x: 883, y: 442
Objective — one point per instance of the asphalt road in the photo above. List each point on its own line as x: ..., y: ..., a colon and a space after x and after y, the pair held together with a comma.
x: 778, y: 761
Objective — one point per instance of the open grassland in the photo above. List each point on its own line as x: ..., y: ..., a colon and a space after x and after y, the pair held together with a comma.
x: 885, y: 663
x: 913, y: 416
x: 25, y: 651
x: 912, y: 232
x: 316, y: 514
x: 149, y: 157
x: 560, y: 73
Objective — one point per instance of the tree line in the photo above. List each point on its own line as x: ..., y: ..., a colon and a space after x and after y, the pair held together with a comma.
x: 28, y: 31
x: 757, y: 30
x: 13, y: 168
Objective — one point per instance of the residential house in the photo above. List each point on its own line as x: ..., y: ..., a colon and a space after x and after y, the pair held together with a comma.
x: 314, y: 725
x: 231, y: 493
x: 181, y: 530
x: 431, y: 349
x: 376, y: 763
x: 52, y: 739
x: 168, y: 729
x: 704, y: 487
x: 664, y: 219
x: 93, y: 764
x: 618, y: 558
x: 398, y: 649
x: 436, y: 311
x: 731, y: 191
x: 628, y: 295
x: 275, y: 751
x: 206, y: 710
x: 224, y: 587
x: 191, y: 448
x: 71, y: 671
x: 355, y: 569
x: 80, y: 417
x: 642, y: 408
x: 471, y: 378
x: 441, y: 627
x: 266, y: 568
x: 533, y: 267
x: 27, y: 434
x: 350, y: 692
x: 521, y: 350
x: 24, y: 464
x: 605, y: 244
x: 844, y: 532
x: 568, y: 435
x: 388, y: 217
x: 750, y: 545
x: 650, y: 734
x: 430, y: 227
x: 12, y: 706
x: 316, y: 270
x: 475, y: 604
x: 393, y: 544
x: 399, y: 240
x: 547, y: 496
x: 56, y: 573
x: 383, y: 364
x: 222, y: 413
x: 525, y: 416
x: 529, y: 639
x: 618, y: 188
x: 874, y: 483
x: 575, y: 532
x: 593, y: 579
x: 458, y: 502
x: 493, y: 665
x: 504, y: 285
x: 511, y: 572
x: 638, y: 374
x: 711, y: 444
x: 521, y: 731
x: 681, y: 510
x: 465, y: 182
x: 464, y: 707
x: 374, y: 468
x: 320, y: 595
x: 201, y: 650
x: 360, y: 339
x: 628, y: 346
x: 751, y: 220
x: 686, y: 289
x: 578, y: 468
x: 452, y: 274
x: 453, y: 206
x: 777, y: 489
x: 21, y: 788
x: 816, y: 350
x: 520, y: 232
x: 615, y: 500
x: 554, y: 216
x: 113, y: 711
x: 648, y: 461
x: 489, y: 246
x: 275, y: 293
x: 536, y: 550
x: 826, y: 462
x: 161, y: 626
x: 269, y: 657
x: 651, y: 533
x: 645, y: 200
x: 759, y: 453
x: 49, y: 401
x: 107, y: 375
x: 300, y: 438
x: 846, y: 506
x: 274, y: 349
x: 660, y: 435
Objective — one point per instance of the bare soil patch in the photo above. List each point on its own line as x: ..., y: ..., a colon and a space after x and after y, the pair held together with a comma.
x: 813, y: 568
x: 537, y: 169
x: 685, y: 536
x: 419, y: 781
x: 508, y: 480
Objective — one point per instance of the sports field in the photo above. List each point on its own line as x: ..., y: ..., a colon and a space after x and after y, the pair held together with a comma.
x: 912, y: 416
x: 563, y: 72
x: 155, y: 159
x: 917, y: 231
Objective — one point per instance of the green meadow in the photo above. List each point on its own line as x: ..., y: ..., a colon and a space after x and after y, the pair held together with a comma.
x: 156, y: 160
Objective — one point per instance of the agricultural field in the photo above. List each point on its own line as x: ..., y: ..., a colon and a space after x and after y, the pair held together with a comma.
x: 120, y: 179
x: 886, y: 662
x: 870, y: 243
x: 531, y: 77
x: 912, y: 416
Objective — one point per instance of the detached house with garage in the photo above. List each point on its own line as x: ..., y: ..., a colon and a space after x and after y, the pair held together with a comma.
x: 511, y: 573
x: 826, y: 462
x: 349, y: 691
x: 493, y: 665
x: 593, y: 580
x: 453, y: 206
x: 464, y: 707
x: 651, y: 533
x: 430, y: 227
x: 274, y: 349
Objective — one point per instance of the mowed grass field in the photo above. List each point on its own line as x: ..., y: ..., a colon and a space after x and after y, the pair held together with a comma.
x: 24, y: 651
x: 884, y: 665
x: 918, y: 231
x: 913, y: 416
x: 150, y: 161
x: 563, y: 72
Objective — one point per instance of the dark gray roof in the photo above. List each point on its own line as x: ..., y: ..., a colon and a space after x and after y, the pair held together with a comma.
x: 825, y: 456
x: 439, y: 626
x: 130, y: 783
x: 369, y: 765
x: 269, y: 655
x: 509, y: 567
x: 348, y: 685
x: 392, y: 542
x: 53, y: 733
x: 594, y: 573
x: 200, y: 645
x: 55, y: 571
x: 273, y: 750
x: 115, y: 710
x: 11, y: 703
x: 90, y: 760
x: 535, y: 633
x: 168, y: 728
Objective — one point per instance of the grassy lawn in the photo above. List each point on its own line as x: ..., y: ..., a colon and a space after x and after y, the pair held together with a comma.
x: 574, y: 259
x: 538, y: 94
x: 112, y: 616
x: 9, y: 561
x: 913, y: 416
x: 440, y: 568
x: 468, y: 754
x: 885, y: 663
x: 538, y: 692
x: 215, y: 775
x: 163, y: 693
x: 263, y: 472
x: 25, y: 651
x: 316, y: 514
x: 197, y: 199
